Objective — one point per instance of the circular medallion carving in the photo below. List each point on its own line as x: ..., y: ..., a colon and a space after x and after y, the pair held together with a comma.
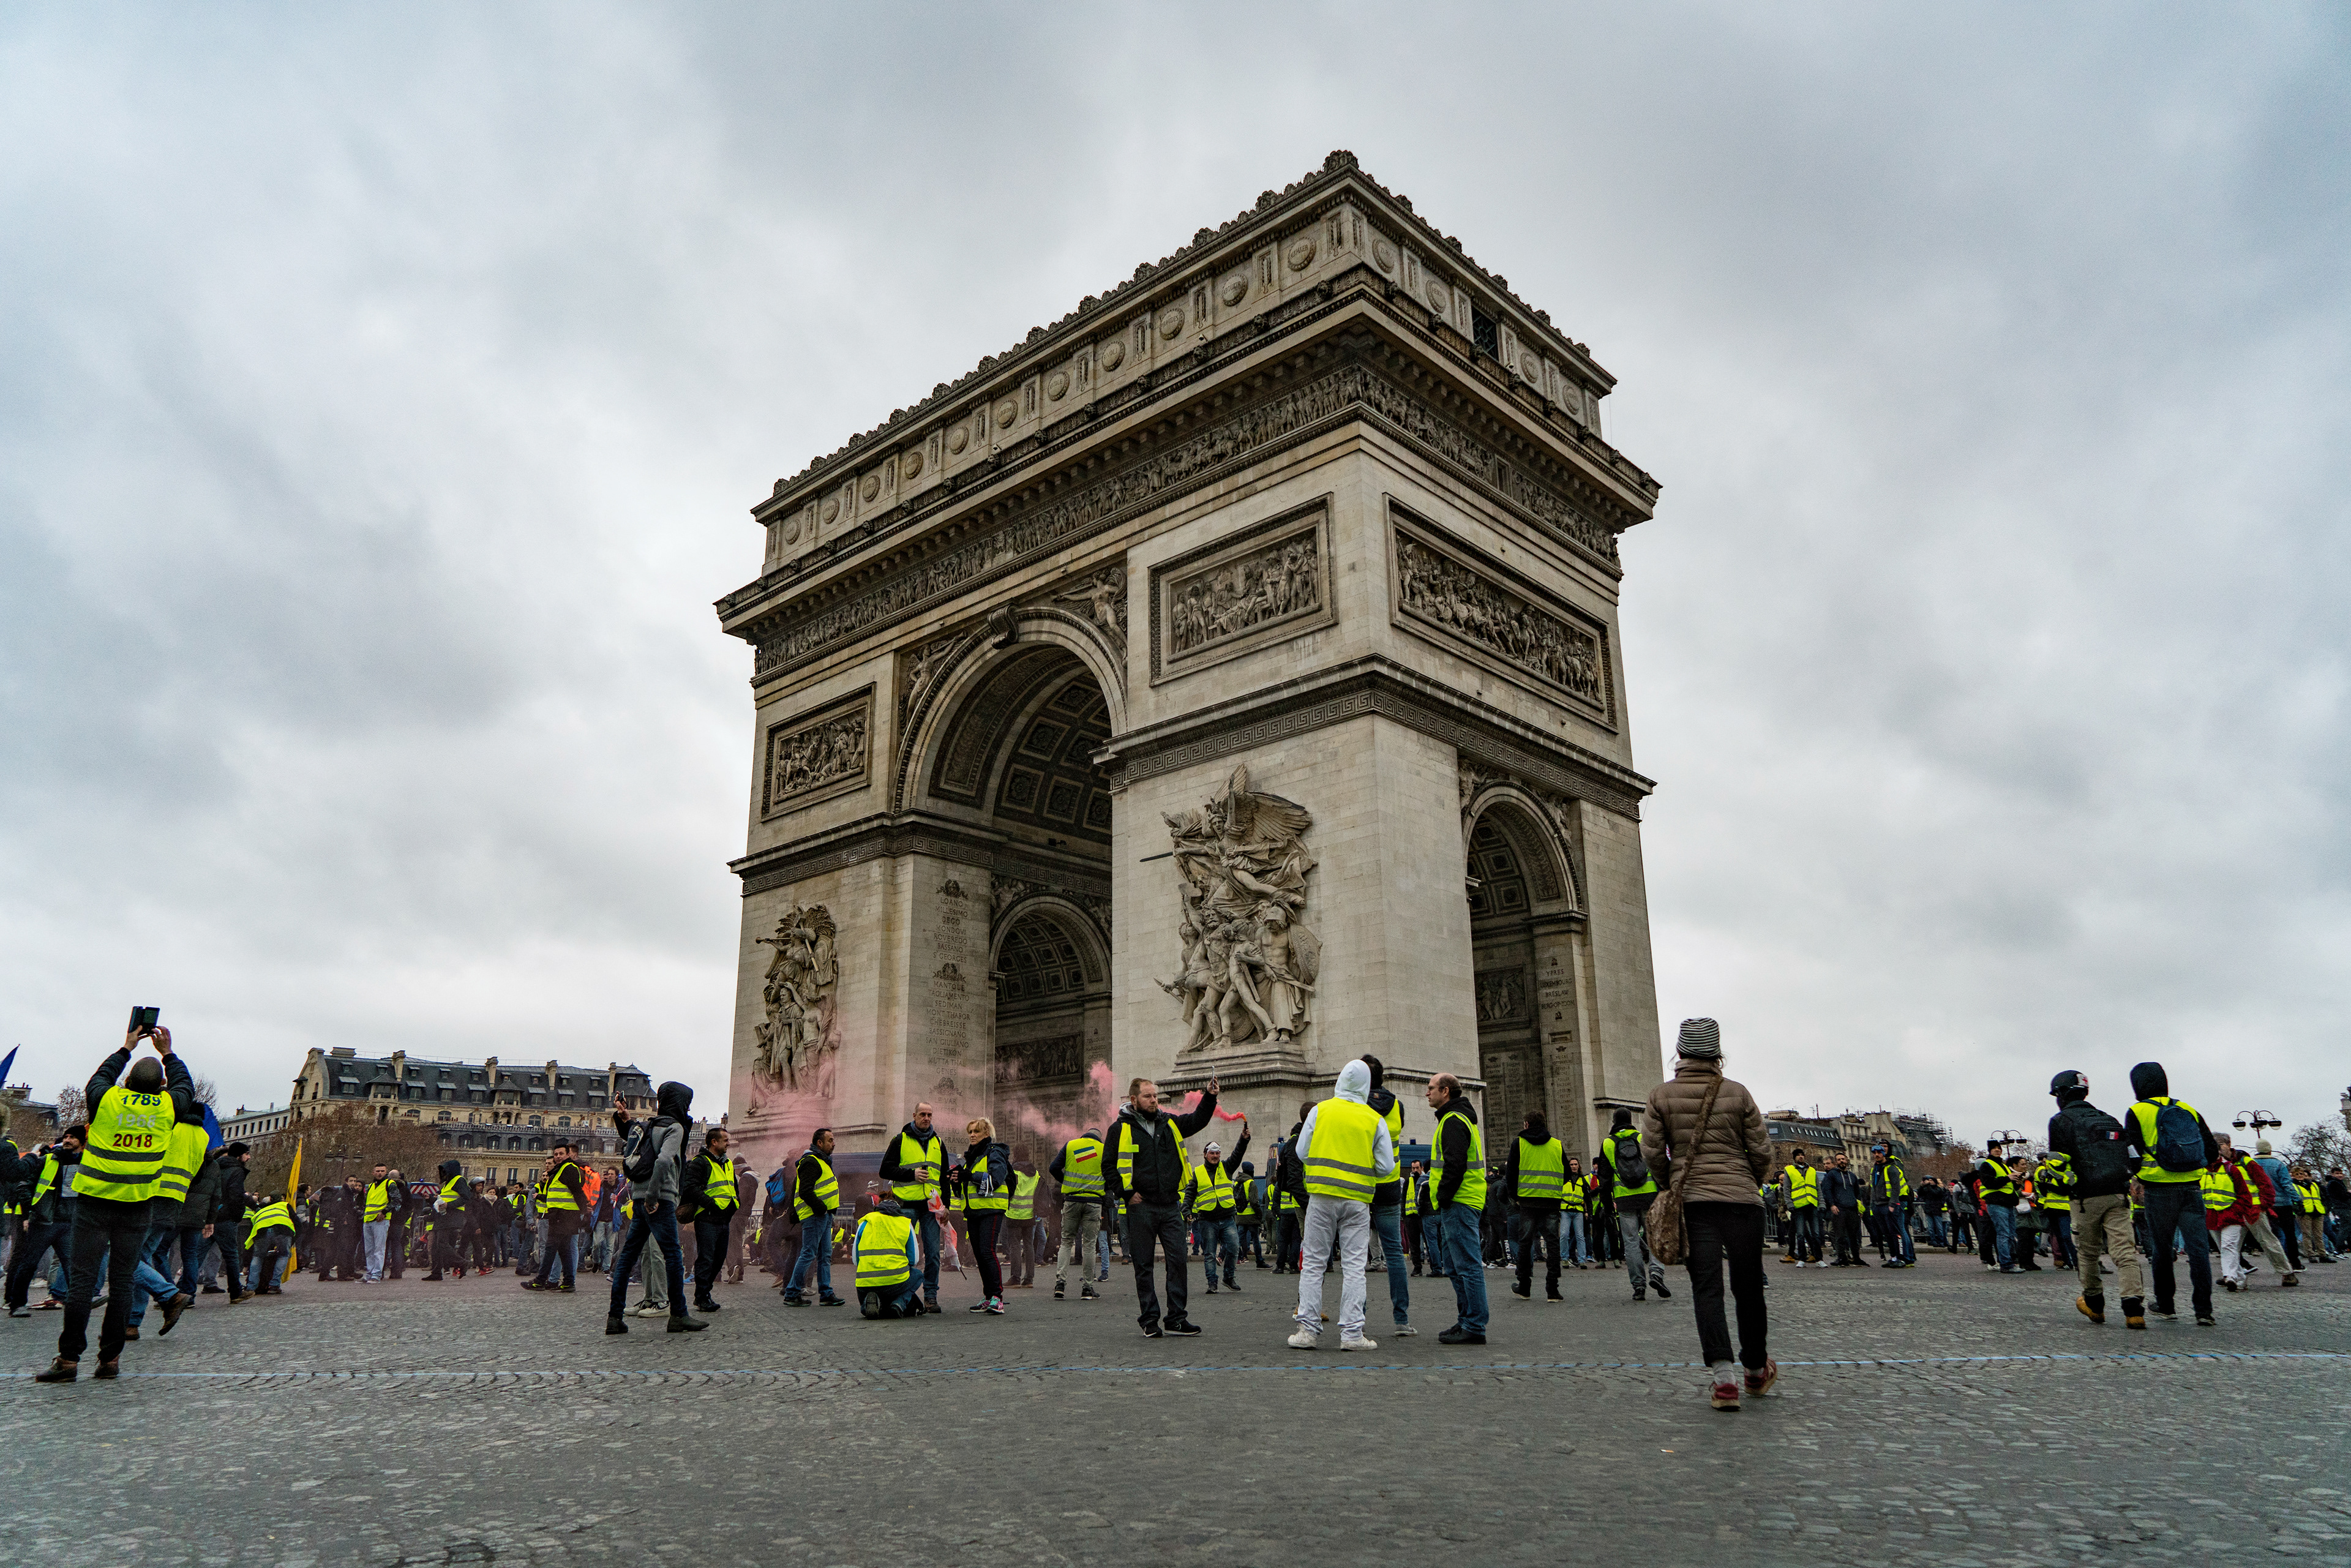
x: 1234, y: 289
x: 913, y: 464
x: 1057, y: 385
x: 1114, y: 354
x: 1171, y: 321
x: 831, y: 509
x: 959, y: 438
x: 792, y: 530
x: 1302, y: 254
x: 1384, y: 255
x: 871, y: 487
x: 1438, y: 299
x: 1006, y: 413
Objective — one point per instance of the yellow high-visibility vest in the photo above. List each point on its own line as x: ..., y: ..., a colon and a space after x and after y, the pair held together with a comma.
x: 1024, y: 1196
x: 1211, y: 1188
x: 926, y: 1151
x: 557, y: 1195
x: 123, y: 1157
x: 718, y: 1192
x: 828, y: 1190
x: 1803, y: 1187
x: 1471, y: 1193
x: 1339, y: 1161
x: 881, y: 1250
x: 183, y: 1154
x: 1543, y: 1170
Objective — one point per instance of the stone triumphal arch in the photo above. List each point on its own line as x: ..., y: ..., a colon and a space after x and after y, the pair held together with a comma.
x: 1226, y: 680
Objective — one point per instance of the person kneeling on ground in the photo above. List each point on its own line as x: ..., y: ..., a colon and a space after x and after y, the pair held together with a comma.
x: 887, y: 1283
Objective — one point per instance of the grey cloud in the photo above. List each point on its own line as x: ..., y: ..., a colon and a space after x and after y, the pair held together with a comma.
x: 381, y: 399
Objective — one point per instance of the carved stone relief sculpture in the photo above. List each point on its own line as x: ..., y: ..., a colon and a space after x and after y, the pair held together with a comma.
x: 1250, y: 966
x: 1435, y: 589
x: 798, y: 1035
x: 1104, y: 596
x: 821, y: 755
x: 1269, y: 585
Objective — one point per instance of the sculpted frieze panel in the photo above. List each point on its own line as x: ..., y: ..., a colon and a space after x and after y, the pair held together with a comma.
x: 1437, y: 590
x: 1250, y: 967
x: 1501, y: 996
x: 1270, y: 584
x: 803, y: 628
x: 817, y: 755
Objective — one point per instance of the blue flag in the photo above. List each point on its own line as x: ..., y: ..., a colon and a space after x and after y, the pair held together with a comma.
x: 8, y: 1061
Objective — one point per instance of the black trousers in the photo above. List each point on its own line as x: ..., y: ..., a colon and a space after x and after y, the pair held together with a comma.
x: 1719, y: 1234
x: 395, y: 1248
x: 446, y: 1253
x: 1287, y: 1241
x: 1529, y: 1233
x: 1848, y: 1235
x: 710, y: 1238
x: 1161, y: 1224
x: 117, y: 1233
x: 31, y: 1242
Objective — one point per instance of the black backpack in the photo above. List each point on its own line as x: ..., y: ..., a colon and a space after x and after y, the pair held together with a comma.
x: 2100, y: 1157
x: 1624, y: 1153
x: 644, y: 1153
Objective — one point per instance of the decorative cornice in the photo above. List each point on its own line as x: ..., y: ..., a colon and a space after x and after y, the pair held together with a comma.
x: 1156, y: 284
x: 1375, y: 685
x: 1429, y: 415
x: 917, y: 833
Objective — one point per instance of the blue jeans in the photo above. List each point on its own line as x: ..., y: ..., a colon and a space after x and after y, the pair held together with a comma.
x: 1220, y: 1246
x: 1387, y: 1224
x: 1898, y: 1247
x: 1460, y: 1235
x: 816, y: 1253
x: 2003, y: 1233
x: 656, y: 1222
x: 2061, y: 1235
x: 1936, y: 1235
x: 1571, y: 1235
x: 162, y: 1240
x: 928, y: 1224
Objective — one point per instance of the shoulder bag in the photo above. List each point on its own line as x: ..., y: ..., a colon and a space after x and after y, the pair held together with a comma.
x: 1669, y: 1231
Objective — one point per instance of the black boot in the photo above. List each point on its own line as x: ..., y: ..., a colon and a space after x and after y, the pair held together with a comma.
x: 615, y: 1323
x: 680, y: 1323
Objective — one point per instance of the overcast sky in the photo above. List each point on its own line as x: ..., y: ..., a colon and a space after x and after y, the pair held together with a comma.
x: 382, y: 392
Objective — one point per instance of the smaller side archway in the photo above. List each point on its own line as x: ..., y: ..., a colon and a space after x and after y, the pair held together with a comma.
x: 1051, y: 967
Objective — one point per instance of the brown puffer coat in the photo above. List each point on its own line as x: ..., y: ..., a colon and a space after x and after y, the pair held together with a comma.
x: 1737, y: 1152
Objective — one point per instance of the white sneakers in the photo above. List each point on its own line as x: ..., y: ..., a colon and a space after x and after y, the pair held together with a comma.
x: 1405, y: 1329
x: 1305, y: 1339
x: 1359, y: 1342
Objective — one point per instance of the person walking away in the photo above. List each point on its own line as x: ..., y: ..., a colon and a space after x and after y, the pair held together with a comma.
x: 915, y: 1163
x: 1890, y: 1195
x: 1209, y: 1188
x: 986, y: 1199
x: 883, y: 1251
x: 183, y: 1157
x: 1077, y: 1173
x: 1721, y: 1213
x: 1534, y: 1180
x: 1348, y: 1154
x: 816, y: 1199
x: 2098, y: 1166
x: 711, y: 1188
x: 228, y: 1221
x: 129, y: 1138
x: 653, y: 1158
x: 1633, y: 1188
x: 1804, y: 1211
x: 1387, y: 1202
x: 563, y: 1202
x: 2255, y: 1201
x: 1144, y: 1165
x: 2286, y: 1198
x: 1021, y: 1227
x: 2175, y: 1148
x: 1460, y: 1202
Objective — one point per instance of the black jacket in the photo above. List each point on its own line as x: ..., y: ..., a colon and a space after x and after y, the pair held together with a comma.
x: 1389, y: 1193
x: 1510, y: 1186
x: 807, y: 1174
x: 895, y: 1170
x: 1452, y: 1149
x: 56, y: 1205
x: 1841, y: 1189
x: 1159, y: 1173
x: 181, y: 1087
x: 2067, y: 1128
x: 2148, y: 1082
x: 228, y: 1205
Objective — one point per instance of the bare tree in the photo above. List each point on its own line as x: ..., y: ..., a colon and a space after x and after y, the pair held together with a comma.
x: 345, y: 1140
x: 207, y: 1094
x: 70, y: 1108
x: 2321, y: 1145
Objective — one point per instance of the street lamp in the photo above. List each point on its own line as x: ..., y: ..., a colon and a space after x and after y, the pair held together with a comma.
x: 2256, y: 1120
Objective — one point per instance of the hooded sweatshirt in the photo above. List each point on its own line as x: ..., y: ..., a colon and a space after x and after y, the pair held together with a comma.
x: 673, y: 1107
x: 2150, y: 1081
x: 1355, y: 1085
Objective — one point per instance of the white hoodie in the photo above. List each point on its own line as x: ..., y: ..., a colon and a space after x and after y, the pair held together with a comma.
x: 1355, y: 1084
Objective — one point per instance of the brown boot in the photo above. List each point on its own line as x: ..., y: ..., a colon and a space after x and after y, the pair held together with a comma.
x: 60, y: 1371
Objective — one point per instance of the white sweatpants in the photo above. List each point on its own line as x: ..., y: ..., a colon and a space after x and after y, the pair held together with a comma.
x: 1347, y: 1224
x: 2232, y: 1250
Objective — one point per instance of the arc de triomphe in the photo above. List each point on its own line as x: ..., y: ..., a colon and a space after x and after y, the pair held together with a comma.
x: 1224, y: 680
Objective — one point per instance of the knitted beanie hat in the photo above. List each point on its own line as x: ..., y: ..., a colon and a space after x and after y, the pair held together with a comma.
x: 1701, y: 1040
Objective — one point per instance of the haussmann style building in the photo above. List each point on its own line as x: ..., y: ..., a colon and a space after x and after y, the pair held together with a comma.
x: 1225, y: 681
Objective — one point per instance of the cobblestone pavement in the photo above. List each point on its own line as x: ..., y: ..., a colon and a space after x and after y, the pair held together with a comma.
x: 1941, y: 1413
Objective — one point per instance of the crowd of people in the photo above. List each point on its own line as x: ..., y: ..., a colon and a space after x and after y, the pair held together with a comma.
x: 141, y: 1208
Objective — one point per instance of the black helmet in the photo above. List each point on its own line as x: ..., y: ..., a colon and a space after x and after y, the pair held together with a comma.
x: 2068, y: 1080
